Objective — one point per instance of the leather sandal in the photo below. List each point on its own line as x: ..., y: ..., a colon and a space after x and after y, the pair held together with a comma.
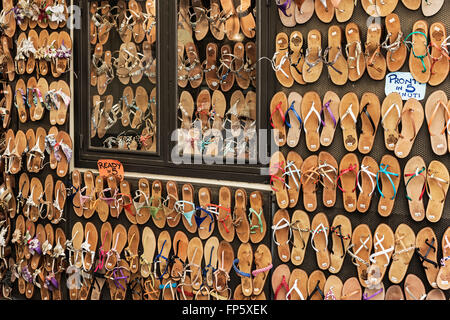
x: 241, y: 75
x: 437, y: 114
x: 333, y: 57
x: 333, y: 288
x: 389, y: 178
x: 328, y: 170
x: 225, y: 256
x: 375, y: 61
x: 316, y: 285
x: 312, y: 68
x: 443, y: 275
x: 330, y: 118
x: 263, y: 264
x: 279, y: 185
x: 349, y: 165
x: 340, y: 234
x: 437, y: 187
x: 320, y: 229
x: 405, y: 243
x: 426, y: 251
x: 293, y: 174
x: 412, y: 4
x: 201, y: 24
x: 295, y: 121
x: 366, y: 183
x: 242, y: 265
x: 240, y: 220
x: 297, y: 58
x: 324, y: 10
x: 309, y: 180
x: 353, y: 49
x: 383, y: 248
x: 348, y: 112
x: 440, y: 59
x: 370, y: 109
x: 414, y: 110
x: 278, y: 109
x: 310, y: 110
x: 281, y: 233
x: 304, y: 10
x: 430, y: 8
x: 286, y: 10
x: 247, y: 21
x: 415, y: 179
x: 226, y: 74
x: 280, y: 61
x: 232, y: 23
x: 300, y: 230
x: 256, y: 217
x: 351, y: 289
x: 391, y: 111
x: 343, y: 9
x: 396, y: 49
x: 360, y: 250
x: 419, y: 59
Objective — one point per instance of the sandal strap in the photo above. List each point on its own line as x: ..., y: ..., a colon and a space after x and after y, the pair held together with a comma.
x: 284, y: 6
x: 351, y: 168
x: 331, y: 64
x: 316, y: 289
x: 383, y: 169
x: 326, y: 106
x: 383, y: 251
x: 315, y: 112
x: 421, y: 57
x: 412, y: 176
x: 296, y: 289
x: 291, y: 108
x: 280, y: 226
x: 366, y: 297
x: 372, y: 123
x: 370, y: 174
x: 284, y: 284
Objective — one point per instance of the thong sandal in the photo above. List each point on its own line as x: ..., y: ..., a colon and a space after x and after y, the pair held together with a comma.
x: 309, y: 180
x: 20, y: 100
x: 298, y: 282
x: 310, y: 110
x: 278, y: 110
x: 301, y: 230
x: 256, y: 217
x: 225, y: 256
x: 374, y: 293
x: 375, y: 61
x: 295, y: 121
x: 281, y: 234
x: 348, y: 174
x: 340, y: 234
x: 351, y: 289
x: 333, y: 57
x: 316, y: 285
x: 366, y: 183
x: 439, y: 56
x: 320, y: 229
x: 224, y: 219
x: 131, y: 251
x: 343, y: 9
x: 173, y: 217
x: 205, y: 221
x: 280, y: 278
x: 201, y: 25
x: 443, y: 275
x: 297, y: 58
x: 226, y: 74
x: 437, y: 113
x: 383, y: 248
x: 370, y: 109
x: 414, y: 288
x: 280, y: 61
x: 242, y: 265
x: 210, y: 66
x: 391, y: 112
x: 396, y: 49
x: 415, y: 176
x: 405, y: 243
x: 312, y: 68
x: 101, y: 206
x: 146, y: 258
x: 263, y: 264
x: 324, y: 10
x: 119, y: 240
x: 242, y: 76
x: 247, y: 21
x: 328, y: 170
x: 437, y: 187
x: 187, y: 208
x: 353, y: 49
x: 6, y: 106
x: 430, y: 8
x: 292, y: 171
x: 419, y: 60
x: 240, y: 221
x: 156, y: 205
x: 162, y: 258
x: 232, y: 23
x: 389, y: 177
x: 142, y: 206
x: 330, y: 119
x: 286, y: 10
x: 360, y: 250
x: 348, y: 111
x: 410, y: 128
x: 304, y: 10
x: 333, y: 288
x: 127, y: 201
x: 279, y: 186
x: 180, y: 245
x: 426, y: 251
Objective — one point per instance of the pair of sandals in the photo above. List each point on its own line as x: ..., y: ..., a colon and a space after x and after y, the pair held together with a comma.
x: 293, y: 12
x: 222, y: 18
x: 35, y: 52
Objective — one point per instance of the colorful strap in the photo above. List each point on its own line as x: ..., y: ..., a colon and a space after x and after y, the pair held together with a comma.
x: 239, y: 272
x: 351, y: 168
x: 291, y: 108
x: 283, y: 7
x: 277, y: 108
x: 260, y: 223
x: 366, y: 297
x: 412, y: 176
x: 326, y: 106
x: 422, y: 57
x: 284, y: 284
x: 383, y: 169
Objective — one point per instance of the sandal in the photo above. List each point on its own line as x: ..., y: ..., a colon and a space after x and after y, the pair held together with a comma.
x: 301, y: 224
x: 415, y: 188
x: 375, y: 61
x: 391, y: 112
x: 353, y: 49
x: 375, y: 293
x: 383, y: 248
x: 412, y: 4
x: 119, y: 240
x: 439, y: 57
x: 405, y: 243
x: 343, y: 9
x: 279, y: 186
x: 6, y: 106
x: 187, y: 208
x: 426, y: 250
x: 333, y: 57
x: 396, y: 49
x: 232, y: 23
x: 340, y: 234
x: 242, y: 265
x: 443, y: 275
x: 351, y: 289
x: 349, y: 164
x: 394, y: 292
x: 370, y: 108
x: 333, y: 288
x: 278, y: 110
x: 312, y: 68
x: 242, y: 76
x: 206, y: 218
x: 297, y: 58
x: 246, y: 19
x: 240, y: 221
x: 256, y: 218
x: 414, y: 109
x: 36, y: 151
x: 101, y: 206
x: 146, y: 258
x: 414, y: 288
x: 126, y: 201
x: 20, y: 147
x: 320, y: 228
x: 298, y: 282
x: 88, y: 201
x: 360, y: 250
x: 20, y: 100
x: 63, y: 153
x: 304, y: 10
x: 89, y: 246
x: 280, y: 61
x: 349, y: 108
x: 437, y: 187
x: 286, y: 10
x: 281, y: 234
x: 293, y: 173
x: 310, y: 108
x: 316, y: 285
x: 309, y: 180
x: 138, y: 21
x: 366, y: 182
x: 436, y: 294
x: 329, y: 115
x: 324, y: 10
x: 263, y: 264
x: 173, y: 218
x: 328, y: 171
x: 430, y: 8
x: 64, y: 52
x: 8, y: 60
x: 390, y: 180
x: 225, y: 256
x: 419, y: 60
x: 295, y: 121
x: 7, y: 18
x: 209, y: 68
x: 150, y: 32
x: 59, y: 202
x: 280, y: 277
x: 437, y: 113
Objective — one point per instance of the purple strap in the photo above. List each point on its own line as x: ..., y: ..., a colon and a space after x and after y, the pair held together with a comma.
x: 327, y: 105
x: 116, y: 278
x: 365, y: 297
x: 283, y: 7
x: 27, y: 275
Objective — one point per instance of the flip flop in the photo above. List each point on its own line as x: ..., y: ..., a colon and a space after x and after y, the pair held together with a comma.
x: 334, y: 58
x: 39, y: 93
x: 348, y: 174
x: 443, y: 276
x: 412, y: 4
x: 65, y: 45
x: 162, y: 258
x: 246, y: 19
x: 20, y: 100
x: 298, y: 282
x: 360, y: 250
x: 263, y: 264
x: 320, y: 229
x: 10, y: 26
x: 131, y: 251
x: 196, y: 73
x: 293, y: 173
x: 31, y: 61
x: 439, y: 59
x: 278, y: 109
x: 437, y: 188
x: 304, y: 11
x: 436, y: 112
x: 297, y: 58
x: 279, y: 186
x: 410, y: 129
x: 281, y: 234
x: 324, y: 10
x: 366, y: 183
x: 201, y: 24
x: 430, y: 8
x: 301, y: 224
x: 415, y: 188
x: 225, y: 256
x: 240, y: 221
x: 281, y: 62
x: 210, y: 255
x: 41, y: 237
x: 375, y: 61
x: 419, y: 60
x: 394, y: 292
x: 7, y: 107
x: 383, y: 248
x: 344, y: 10
x: 310, y: 110
x: 333, y: 288
x: 135, y: 9
x: 114, y: 205
x: 244, y: 263
x: 101, y: 206
x: 142, y: 206
x: 295, y: 121
x: 149, y: 246
x: 33, y: 210
x: 226, y: 75
x: 188, y: 208
x: 250, y: 51
x: 348, y: 112
x: 391, y: 111
x: 256, y: 218
x: 436, y: 294
x: 309, y: 180
x: 280, y: 278
x: 89, y: 208
x: 426, y: 250
x: 19, y: 149
x: 63, y: 96
x: 316, y: 285
x: 312, y: 68
x: 31, y: 141
x: 59, y: 203
x: 210, y: 66
x: 127, y: 201
x: 224, y: 219
x: 173, y: 218
x: 205, y: 222
x: 217, y: 23
x: 328, y: 171
x: 64, y: 153
x: 355, y: 57
x: 414, y: 288
x: 89, y: 246
x: 203, y: 108
x: 396, y: 48
x: 232, y: 23
x: 370, y: 107
x: 389, y: 177
x: 330, y: 119
x: 340, y: 234
x: 10, y: 67
x: 405, y: 243
x: 119, y: 240
x: 156, y: 208
x: 180, y: 245
x: 351, y: 289
x: 286, y: 10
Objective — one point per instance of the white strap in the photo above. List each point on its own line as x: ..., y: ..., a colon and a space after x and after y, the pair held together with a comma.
x: 414, y: 297
x: 348, y: 112
x: 447, y: 242
x: 324, y: 230
x: 323, y: 172
x: 277, y: 227
x: 379, y: 243
x: 291, y: 170
x: 295, y: 287
x: 311, y: 111
x: 371, y: 175
x: 389, y: 110
x: 324, y: 3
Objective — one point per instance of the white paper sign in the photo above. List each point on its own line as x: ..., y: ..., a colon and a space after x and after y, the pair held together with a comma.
x: 405, y: 85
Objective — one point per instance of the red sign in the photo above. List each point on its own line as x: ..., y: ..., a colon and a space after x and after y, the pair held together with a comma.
x: 109, y: 167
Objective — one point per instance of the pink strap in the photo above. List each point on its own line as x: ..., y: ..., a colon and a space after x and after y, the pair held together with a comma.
x: 256, y: 272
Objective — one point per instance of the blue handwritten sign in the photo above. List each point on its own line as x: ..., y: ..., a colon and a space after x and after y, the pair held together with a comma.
x: 405, y: 85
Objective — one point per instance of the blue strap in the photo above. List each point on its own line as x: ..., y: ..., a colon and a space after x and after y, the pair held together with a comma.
x: 291, y: 108
x: 188, y: 215
x: 167, y: 285
x: 200, y: 220
x: 161, y: 256
x: 209, y: 264
x: 239, y: 272
x: 388, y: 174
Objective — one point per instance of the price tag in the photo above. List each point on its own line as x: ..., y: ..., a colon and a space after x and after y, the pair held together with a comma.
x: 405, y: 85
x: 109, y: 167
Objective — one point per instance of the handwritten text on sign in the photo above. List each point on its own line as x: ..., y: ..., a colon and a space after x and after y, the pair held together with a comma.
x: 405, y: 85
x: 108, y: 168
